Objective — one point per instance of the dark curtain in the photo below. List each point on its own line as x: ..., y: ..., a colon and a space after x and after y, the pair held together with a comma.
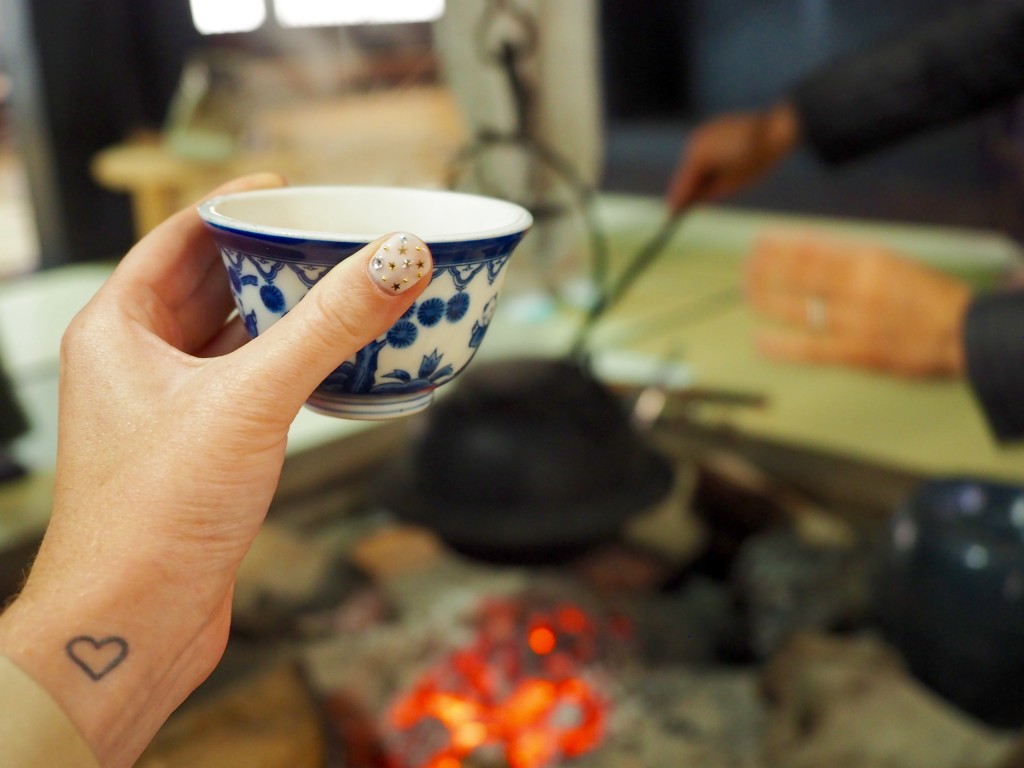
x: 106, y: 68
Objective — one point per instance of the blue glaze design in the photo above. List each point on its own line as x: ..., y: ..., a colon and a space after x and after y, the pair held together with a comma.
x: 402, y: 334
x: 480, y: 326
x: 250, y: 324
x: 430, y: 312
x: 268, y: 278
x: 235, y: 262
x: 267, y: 268
x: 429, y: 377
x: 458, y: 305
x: 326, y: 253
x: 308, y: 274
x: 373, y: 408
x: 356, y: 377
x: 462, y: 274
x: 495, y: 266
x: 272, y: 297
x: 233, y: 258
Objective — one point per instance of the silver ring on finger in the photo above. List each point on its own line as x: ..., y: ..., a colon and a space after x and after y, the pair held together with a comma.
x: 817, y: 313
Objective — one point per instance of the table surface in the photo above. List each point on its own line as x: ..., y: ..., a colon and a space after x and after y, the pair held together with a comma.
x: 688, y: 305
x: 685, y: 308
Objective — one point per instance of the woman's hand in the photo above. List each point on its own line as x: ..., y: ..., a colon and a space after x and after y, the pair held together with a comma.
x: 731, y: 152
x: 851, y: 304
x: 172, y: 437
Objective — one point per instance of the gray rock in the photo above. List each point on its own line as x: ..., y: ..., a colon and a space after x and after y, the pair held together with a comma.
x: 784, y: 586
x: 848, y: 703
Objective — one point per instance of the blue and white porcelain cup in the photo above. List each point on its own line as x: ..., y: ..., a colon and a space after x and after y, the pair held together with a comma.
x: 277, y: 243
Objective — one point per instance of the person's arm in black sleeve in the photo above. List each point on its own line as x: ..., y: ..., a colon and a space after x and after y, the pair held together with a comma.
x: 994, y: 355
x: 957, y: 65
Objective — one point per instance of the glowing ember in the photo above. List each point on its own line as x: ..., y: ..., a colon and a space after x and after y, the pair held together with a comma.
x: 542, y: 640
x: 522, y: 692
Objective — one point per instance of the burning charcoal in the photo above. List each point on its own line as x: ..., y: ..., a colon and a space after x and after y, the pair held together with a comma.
x: 784, y: 585
x: 526, y: 691
x: 849, y: 703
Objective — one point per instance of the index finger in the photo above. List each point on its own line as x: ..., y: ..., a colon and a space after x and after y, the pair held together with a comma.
x: 174, y: 259
x: 172, y: 282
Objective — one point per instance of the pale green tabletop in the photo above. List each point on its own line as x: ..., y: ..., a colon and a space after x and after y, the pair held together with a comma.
x: 688, y: 304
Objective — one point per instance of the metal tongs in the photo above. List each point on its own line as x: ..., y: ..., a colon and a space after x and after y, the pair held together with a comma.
x: 643, y: 258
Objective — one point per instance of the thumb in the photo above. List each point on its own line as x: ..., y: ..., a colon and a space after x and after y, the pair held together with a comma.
x: 350, y: 306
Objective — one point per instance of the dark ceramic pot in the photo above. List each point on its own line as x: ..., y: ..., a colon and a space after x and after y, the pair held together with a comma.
x: 528, y: 460
x: 951, y: 594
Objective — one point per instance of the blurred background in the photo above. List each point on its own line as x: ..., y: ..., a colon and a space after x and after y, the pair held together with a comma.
x: 307, y: 87
x: 725, y: 608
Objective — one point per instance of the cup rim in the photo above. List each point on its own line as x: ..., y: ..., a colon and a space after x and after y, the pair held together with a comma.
x: 520, y: 218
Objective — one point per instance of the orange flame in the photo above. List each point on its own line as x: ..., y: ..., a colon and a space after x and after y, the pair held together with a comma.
x: 483, y: 697
x: 542, y: 640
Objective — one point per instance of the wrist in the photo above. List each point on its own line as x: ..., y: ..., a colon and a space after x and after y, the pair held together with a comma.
x: 116, y: 669
x: 956, y: 355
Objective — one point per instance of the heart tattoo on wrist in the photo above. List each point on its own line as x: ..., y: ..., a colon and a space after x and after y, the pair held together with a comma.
x: 97, y: 658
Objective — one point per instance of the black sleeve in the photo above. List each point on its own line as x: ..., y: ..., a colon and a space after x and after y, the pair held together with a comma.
x: 994, y: 350
x: 957, y: 65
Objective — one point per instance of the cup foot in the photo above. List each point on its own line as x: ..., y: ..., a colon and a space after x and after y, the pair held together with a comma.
x: 370, y: 407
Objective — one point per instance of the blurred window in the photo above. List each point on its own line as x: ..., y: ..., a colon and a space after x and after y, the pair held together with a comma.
x: 318, y: 13
x: 214, y: 17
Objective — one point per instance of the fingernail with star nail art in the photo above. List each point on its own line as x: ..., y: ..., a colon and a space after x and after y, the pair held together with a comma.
x: 400, y: 262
